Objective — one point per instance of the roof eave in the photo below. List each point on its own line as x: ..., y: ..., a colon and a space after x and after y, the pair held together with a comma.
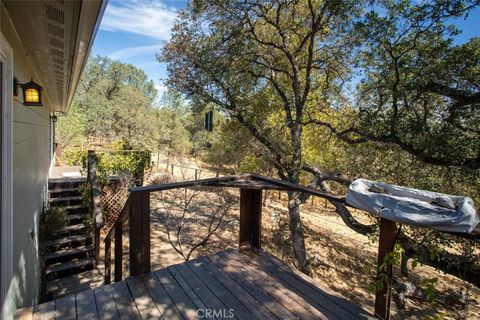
x: 91, y: 14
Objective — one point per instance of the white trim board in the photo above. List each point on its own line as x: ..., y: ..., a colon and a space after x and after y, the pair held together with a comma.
x: 6, y: 277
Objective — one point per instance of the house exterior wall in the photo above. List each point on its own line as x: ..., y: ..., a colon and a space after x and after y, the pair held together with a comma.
x: 31, y: 162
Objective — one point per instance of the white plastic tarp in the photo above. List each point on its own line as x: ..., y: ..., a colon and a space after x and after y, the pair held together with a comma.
x: 412, y: 206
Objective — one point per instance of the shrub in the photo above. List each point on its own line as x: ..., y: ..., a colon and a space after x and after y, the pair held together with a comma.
x: 52, y: 220
x: 85, y: 191
x: 75, y: 156
x: 122, y: 159
x: 159, y: 178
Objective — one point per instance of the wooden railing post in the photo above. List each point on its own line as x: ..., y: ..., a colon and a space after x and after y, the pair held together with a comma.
x: 388, y: 232
x: 250, y: 217
x: 118, y: 251
x: 139, y: 232
x: 108, y: 260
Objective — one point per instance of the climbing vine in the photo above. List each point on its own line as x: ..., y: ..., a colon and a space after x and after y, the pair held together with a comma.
x: 391, y: 259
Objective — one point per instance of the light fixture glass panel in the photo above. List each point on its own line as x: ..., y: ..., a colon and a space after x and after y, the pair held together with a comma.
x: 31, y: 95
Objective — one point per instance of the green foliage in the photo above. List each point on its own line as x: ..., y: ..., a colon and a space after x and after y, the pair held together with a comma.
x: 414, y: 263
x: 88, y: 221
x: 52, y: 220
x: 113, y: 101
x: 121, y: 159
x: 391, y: 259
x: 428, y: 287
x: 233, y: 149
x: 438, y: 316
x: 86, y: 192
x: 172, y: 135
x: 74, y: 156
x: 70, y: 129
x: 420, y: 88
x: 116, y: 101
x: 374, y: 235
x: 236, y: 56
x: 412, y: 121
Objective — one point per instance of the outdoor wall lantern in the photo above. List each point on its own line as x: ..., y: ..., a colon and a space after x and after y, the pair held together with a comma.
x: 32, y: 93
x: 54, y: 118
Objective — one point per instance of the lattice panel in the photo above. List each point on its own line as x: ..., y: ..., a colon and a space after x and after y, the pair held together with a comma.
x: 113, y: 199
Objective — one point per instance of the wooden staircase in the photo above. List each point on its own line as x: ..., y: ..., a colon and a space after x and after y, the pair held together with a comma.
x: 71, y: 252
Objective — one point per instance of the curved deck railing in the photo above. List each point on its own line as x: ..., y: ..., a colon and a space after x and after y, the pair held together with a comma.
x: 136, y: 213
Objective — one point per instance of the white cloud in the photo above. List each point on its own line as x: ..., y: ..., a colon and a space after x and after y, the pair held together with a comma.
x: 135, y: 51
x: 161, y: 89
x: 149, y: 18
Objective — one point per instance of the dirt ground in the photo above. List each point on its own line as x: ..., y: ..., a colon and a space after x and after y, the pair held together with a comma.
x: 340, y: 258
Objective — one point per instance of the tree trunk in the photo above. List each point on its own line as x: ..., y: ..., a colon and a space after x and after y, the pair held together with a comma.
x: 296, y: 232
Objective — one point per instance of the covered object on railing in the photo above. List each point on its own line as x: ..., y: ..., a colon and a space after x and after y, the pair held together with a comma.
x: 413, y: 206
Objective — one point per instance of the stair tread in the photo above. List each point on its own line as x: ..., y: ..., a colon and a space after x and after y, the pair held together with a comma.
x: 61, y: 199
x: 65, y: 240
x: 72, y: 227
x: 67, y: 180
x: 77, y: 206
x: 76, y: 278
x: 59, y: 190
x: 77, y: 282
x: 77, y: 216
x: 70, y: 251
x: 69, y: 265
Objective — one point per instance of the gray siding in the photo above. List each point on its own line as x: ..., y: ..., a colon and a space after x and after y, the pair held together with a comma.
x: 31, y: 162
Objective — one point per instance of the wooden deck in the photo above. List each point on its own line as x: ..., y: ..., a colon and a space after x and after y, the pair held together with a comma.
x: 232, y: 284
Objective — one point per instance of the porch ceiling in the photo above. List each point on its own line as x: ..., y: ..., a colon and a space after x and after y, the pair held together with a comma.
x: 57, y: 37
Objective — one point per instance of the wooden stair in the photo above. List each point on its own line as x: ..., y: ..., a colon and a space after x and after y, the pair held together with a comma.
x: 71, y: 252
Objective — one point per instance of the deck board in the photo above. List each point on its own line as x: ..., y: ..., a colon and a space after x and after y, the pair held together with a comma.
x: 124, y: 301
x: 230, y: 301
x: 160, y: 297
x: 258, y: 293
x: 24, y: 313
x: 316, y: 299
x: 319, y: 289
x: 86, y: 306
x: 65, y: 308
x: 206, y: 295
x: 106, y: 307
x: 186, y: 288
x: 142, y: 298
x: 255, y: 307
x: 266, y: 279
x: 45, y: 311
x: 252, y: 285
x: 179, y: 297
x: 274, y: 290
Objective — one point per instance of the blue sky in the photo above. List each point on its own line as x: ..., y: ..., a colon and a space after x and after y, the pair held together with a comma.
x: 133, y: 31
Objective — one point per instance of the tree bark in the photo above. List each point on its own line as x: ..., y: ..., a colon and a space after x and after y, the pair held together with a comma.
x: 296, y: 232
